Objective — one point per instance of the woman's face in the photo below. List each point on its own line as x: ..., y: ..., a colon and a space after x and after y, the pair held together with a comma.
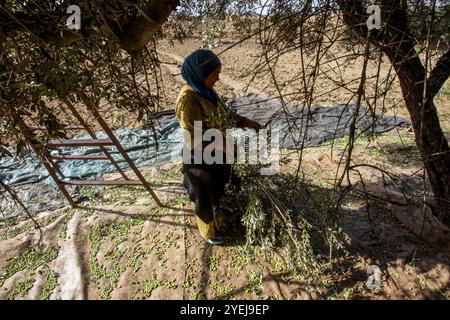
x: 211, y: 80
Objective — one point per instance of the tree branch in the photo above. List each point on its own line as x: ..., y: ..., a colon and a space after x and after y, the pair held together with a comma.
x: 139, y: 32
x: 133, y: 38
x: 24, y: 208
x: 439, y: 74
x: 393, y: 16
x: 11, y: 23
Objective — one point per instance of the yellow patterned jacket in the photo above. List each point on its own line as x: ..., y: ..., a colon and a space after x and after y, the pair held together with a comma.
x: 192, y: 106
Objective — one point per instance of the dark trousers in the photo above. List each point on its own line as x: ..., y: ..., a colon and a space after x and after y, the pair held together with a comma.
x: 205, y: 185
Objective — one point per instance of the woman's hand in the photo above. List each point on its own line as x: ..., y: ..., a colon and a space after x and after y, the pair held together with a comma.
x: 253, y: 125
x: 243, y: 122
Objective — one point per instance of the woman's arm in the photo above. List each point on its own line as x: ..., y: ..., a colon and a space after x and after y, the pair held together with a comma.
x: 188, y: 111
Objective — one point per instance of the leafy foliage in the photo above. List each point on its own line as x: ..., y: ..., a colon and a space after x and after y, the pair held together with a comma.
x: 295, y: 218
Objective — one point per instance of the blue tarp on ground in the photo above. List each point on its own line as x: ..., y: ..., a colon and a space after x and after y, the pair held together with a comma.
x: 138, y: 143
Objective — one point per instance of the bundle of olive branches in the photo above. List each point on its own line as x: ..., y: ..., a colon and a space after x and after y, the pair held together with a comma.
x: 294, y: 218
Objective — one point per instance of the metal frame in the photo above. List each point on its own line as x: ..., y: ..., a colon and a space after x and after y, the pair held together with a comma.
x: 54, y: 171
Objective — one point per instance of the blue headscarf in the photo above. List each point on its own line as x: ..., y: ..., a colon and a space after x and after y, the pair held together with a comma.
x: 196, y: 68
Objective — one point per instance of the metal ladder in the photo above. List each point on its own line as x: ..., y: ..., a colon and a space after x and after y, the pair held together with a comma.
x: 49, y: 159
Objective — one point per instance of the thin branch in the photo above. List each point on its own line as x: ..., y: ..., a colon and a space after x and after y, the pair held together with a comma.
x: 24, y: 208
